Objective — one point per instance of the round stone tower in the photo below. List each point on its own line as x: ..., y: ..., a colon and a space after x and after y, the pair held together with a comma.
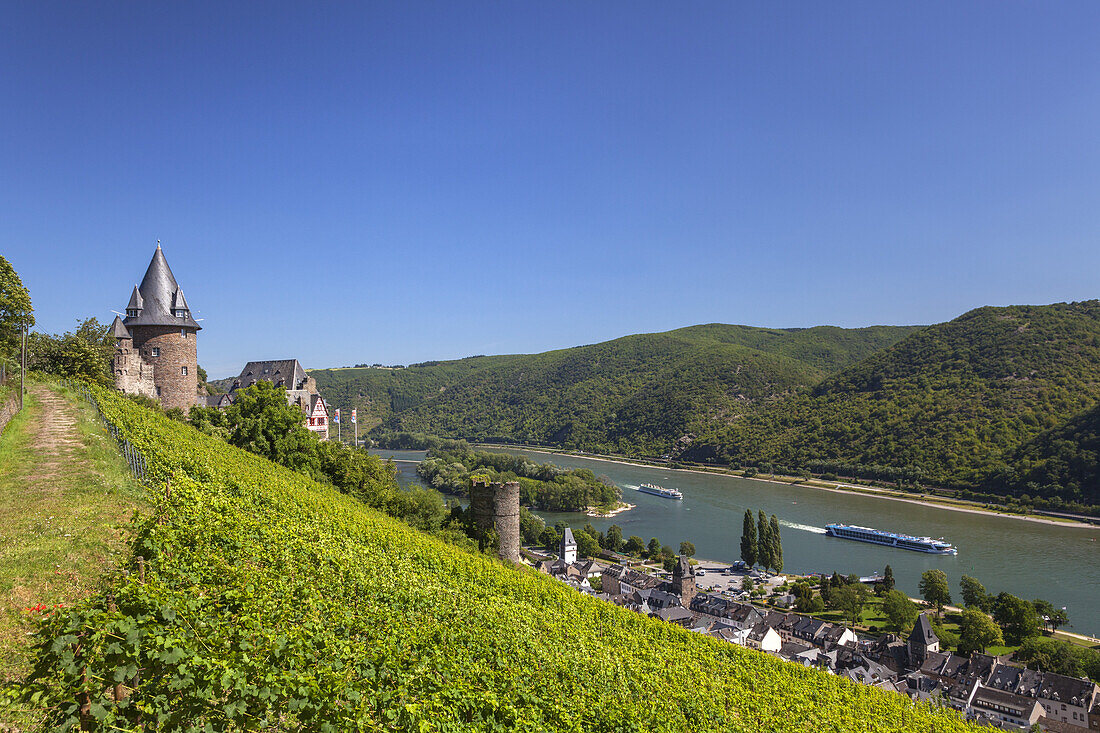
x: 157, y: 349
x: 496, y: 512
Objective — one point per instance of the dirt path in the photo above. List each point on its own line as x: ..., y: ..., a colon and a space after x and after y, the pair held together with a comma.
x: 65, y: 501
x: 54, y: 441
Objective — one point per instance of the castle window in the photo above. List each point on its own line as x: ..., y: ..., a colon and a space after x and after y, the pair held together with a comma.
x: 183, y: 371
x: 158, y: 391
x: 156, y: 351
x: 131, y: 313
x: 183, y: 333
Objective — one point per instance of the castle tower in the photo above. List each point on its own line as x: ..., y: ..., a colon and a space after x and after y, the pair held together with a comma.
x: 496, y: 515
x: 922, y: 640
x: 156, y: 353
x: 568, y: 547
x: 683, y: 580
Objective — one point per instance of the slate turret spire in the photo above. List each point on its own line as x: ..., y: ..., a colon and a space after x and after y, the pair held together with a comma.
x: 158, y: 356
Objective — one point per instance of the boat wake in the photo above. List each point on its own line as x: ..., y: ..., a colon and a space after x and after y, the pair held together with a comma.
x: 803, y: 527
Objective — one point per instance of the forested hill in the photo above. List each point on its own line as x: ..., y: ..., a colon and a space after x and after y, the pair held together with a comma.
x: 636, y: 394
x: 951, y: 403
x: 1063, y: 462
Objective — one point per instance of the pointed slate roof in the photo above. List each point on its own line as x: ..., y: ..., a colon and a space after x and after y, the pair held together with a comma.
x: 922, y: 632
x: 157, y: 292
x: 567, y: 538
x: 135, y: 300
x: 118, y: 330
x: 683, y: 567
x: 287, y: 373
x: 178, y: 301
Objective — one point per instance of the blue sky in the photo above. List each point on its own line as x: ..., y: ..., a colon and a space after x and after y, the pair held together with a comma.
x: 397, y: 182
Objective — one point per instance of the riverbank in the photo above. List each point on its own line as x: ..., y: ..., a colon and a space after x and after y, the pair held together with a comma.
x: 871, y: 491
x: 595, y: 513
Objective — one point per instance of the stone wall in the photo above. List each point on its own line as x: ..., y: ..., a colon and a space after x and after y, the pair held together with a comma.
x: 132, y: 374
x: 496, y: 512
x: 177, y: 351
x: 8, y: 408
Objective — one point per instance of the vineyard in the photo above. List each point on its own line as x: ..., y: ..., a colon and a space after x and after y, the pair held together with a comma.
x: 259, y: 599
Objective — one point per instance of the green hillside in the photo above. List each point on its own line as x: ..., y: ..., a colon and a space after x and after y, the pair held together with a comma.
x: 636, y: 394
x: 948, y: 404
x: 1063, y: 463
x: 268, y: 601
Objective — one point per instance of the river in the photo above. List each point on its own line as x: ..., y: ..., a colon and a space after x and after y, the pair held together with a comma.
x: 1027, y: 559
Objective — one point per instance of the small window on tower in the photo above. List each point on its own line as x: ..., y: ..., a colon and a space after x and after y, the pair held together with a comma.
x: 156, y: 351
x: 183, y: 371
x: 158, y: 391
x: 183, y: 333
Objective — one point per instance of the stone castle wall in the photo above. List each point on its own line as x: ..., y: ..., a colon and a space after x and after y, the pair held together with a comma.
x: 496, y: 510
x: 176, y: 352
x: 132, y: 374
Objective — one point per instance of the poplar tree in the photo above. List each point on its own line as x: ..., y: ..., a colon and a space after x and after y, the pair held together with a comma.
x: 763, y: 540
x: 749, y: 550
x: 776, y: 545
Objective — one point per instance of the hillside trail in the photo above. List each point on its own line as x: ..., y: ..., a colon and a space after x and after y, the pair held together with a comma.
x: 55, y: 438
x: 66, y: 498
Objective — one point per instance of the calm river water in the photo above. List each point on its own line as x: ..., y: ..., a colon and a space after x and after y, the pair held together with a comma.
x: 1027, y: 559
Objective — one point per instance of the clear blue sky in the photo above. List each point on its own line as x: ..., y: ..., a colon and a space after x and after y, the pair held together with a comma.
x: 399, y: 182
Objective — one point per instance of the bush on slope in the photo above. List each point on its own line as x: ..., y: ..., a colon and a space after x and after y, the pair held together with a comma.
x: 269, y: 601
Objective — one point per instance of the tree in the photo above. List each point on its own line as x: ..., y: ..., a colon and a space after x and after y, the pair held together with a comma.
x: 749, y: 552
x: 850, y: 600
x: 974, y: 593
x: 763, y: 541
x: 887, y: 583
x: 654, y: 548
x: 587, y: 546
x: 15, y: 309
x: 687, y: 548
x: 1016, y: 617
x: 934, y: 589
x: 84, y: 353
x: 635, y: 545
x: 775, y: 545
x: 262, y: 422
x: 614, y: 538
x: 900, y: 610
x: 977, y: 632
x: 1050, y: 616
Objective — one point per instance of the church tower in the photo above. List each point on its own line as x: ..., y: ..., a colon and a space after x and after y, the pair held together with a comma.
x: 568, y: 547
x: 683, y: 580
x: 922, y: 640
x: 156, y: 353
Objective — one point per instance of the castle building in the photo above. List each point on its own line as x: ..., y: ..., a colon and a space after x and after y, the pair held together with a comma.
x: 288, y: 374
x: 156, y: 353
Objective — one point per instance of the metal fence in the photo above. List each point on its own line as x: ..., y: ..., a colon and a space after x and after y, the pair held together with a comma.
x: 134, y: 458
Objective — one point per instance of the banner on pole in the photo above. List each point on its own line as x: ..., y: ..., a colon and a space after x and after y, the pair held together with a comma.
x: 336, y: 419
x: 353, y: 414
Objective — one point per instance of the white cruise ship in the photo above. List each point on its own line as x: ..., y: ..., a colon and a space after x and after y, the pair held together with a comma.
x: 660, y: 491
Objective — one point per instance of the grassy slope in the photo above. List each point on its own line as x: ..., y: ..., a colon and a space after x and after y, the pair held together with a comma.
x: 635, y: 394
x: 64, y: 503
x: 951, y: 400
x: 270, y: 597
